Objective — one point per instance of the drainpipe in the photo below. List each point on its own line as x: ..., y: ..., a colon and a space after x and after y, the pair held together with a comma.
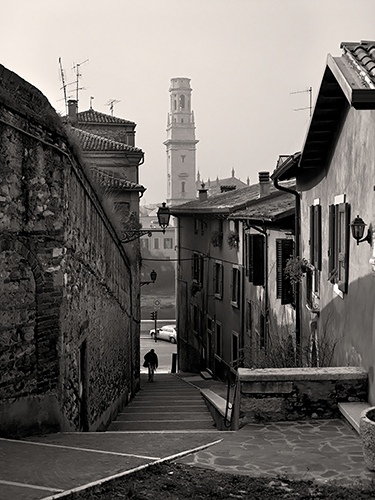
x: 266, y: 308
x: 297, y: 230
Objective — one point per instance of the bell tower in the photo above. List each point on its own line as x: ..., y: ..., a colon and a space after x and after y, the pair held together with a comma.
x: 180, y: 144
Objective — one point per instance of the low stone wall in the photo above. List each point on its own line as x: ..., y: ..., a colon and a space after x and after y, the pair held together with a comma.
x: 298, y: 393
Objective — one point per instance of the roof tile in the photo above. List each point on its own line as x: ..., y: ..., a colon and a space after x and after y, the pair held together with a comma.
x: 93, y: 142
x: 92, y: 116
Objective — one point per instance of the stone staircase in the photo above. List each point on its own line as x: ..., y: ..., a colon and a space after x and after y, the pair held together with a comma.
x: 167, y: 404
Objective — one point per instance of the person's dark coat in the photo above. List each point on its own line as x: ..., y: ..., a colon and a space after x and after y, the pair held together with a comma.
x: 152, y: 358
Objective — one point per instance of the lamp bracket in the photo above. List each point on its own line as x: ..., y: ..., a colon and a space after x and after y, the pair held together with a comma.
x: 133, y: 235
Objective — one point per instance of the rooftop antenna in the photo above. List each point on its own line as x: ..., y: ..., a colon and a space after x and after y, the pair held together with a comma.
x: 310, y: 102
x: 91, y: 99
x: 63, y: 85
x: 78, y: 75
x: 111, y: 103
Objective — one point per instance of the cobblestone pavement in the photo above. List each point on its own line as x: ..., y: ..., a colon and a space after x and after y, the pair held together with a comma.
x: 43, y: 467
x: 321, y: 450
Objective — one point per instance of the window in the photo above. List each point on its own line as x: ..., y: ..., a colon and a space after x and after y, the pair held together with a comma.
x: 156, y: 243
x: 182, y: 102
x: 316, y: 236
x: 144, y: 243
x: 168, y: 243
x: 234, y: 353
x: 254, y: 258
x: 338, y: 249
x: 183, y: 187
x: 262, y: 331
x: 218, y: 280
x: 218, y: 341
x: 235, y: 287
x: 198, y: 262
x: 183, y: 158
x: 196, y: 225
x: 284, y: 251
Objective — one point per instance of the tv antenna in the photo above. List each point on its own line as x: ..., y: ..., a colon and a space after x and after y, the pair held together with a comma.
x: 111, y: 103
x: 310, y: 99
x: 78, y: 75
x: 64, y: 85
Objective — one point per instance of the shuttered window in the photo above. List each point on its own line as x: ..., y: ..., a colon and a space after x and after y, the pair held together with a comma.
x: 338, y: 250
x: 235, y: 287
x: 218, y: 280
x: 316, y: 236
x: 284, y: 288
x: 197, y: 268
x: 255, y: 249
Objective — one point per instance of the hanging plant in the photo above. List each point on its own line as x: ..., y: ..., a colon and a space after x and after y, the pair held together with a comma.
x: 233, y: 239
x: 296, y: 268
x: 216, y: 238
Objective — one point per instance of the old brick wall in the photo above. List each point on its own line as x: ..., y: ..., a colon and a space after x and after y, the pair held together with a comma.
x: 69, y: 315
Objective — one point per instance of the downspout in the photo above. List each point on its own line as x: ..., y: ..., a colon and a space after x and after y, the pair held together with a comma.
x: 297, y: 230
x: 266, y: 309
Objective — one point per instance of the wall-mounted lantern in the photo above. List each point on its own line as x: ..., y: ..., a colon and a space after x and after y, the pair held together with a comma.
x: 163, y: 215
x: 358, y: 228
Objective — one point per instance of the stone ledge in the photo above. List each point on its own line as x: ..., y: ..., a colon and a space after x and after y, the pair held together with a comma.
x: 293, y: 374
x: 217, y: 401
x: 352, y: 412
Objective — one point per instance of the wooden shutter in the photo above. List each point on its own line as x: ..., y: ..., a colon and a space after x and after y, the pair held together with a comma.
x: 246, y: 253
x: 331, y: 244
x: 312, y: 234
x: 256, y: 259
x: 316, y: 236
x: 343, y: 246
x: 284, y: 288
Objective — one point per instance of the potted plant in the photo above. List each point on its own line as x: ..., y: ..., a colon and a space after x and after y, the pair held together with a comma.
x: 233, y: 239
x: 367, y: 432
x: 296, y: 268
x: 216, y: 238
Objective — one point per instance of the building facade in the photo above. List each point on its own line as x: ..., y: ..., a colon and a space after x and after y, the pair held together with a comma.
x: 180, y: 144
x: 334, y: 173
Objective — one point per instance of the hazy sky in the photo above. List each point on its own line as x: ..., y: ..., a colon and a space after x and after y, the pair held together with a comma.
x: 244, y: 58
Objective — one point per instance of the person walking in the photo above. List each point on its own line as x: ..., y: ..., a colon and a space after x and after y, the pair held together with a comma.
x: 151, y: 361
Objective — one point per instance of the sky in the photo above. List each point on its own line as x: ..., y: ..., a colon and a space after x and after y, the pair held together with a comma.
x: 251, y: 63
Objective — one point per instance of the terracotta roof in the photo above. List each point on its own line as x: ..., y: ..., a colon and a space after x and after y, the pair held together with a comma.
x: 92, y: 116
x: 93, y: 142
x: 280, y: 205
x: 363, y: 59
x: 224, y: 203
x: 114, y: 180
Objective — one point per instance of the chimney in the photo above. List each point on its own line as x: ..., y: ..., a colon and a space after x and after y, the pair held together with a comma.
x: 202, y: 193
x: 264, y: 184
x: 72, y: 110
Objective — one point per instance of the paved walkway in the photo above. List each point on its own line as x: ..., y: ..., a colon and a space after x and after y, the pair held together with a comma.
x: 48, y: 467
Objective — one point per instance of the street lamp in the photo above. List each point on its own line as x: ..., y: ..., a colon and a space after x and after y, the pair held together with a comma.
x: 163, y: 215
x: 153, y: 276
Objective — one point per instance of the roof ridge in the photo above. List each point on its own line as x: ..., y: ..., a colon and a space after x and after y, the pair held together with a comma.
x: 91, y: 113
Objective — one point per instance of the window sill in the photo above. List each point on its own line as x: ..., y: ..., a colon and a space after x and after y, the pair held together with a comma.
x: 218, y: 296
x: 234, y: 304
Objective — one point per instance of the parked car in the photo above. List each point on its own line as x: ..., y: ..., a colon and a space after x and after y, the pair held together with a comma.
x: 167, y: 332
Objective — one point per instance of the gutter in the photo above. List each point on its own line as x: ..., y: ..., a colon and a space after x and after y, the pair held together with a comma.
x: 297, y: 230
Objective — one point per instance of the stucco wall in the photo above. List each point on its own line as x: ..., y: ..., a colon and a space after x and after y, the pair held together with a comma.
x: 65, y: 277
x: 350, y: 319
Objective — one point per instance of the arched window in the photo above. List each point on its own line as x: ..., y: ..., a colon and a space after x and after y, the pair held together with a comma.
x: 182, y: 102
x: 183, y: 187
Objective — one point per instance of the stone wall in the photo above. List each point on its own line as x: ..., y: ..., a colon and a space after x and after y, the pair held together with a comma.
x: 69, y: 315
x: 298, y: 393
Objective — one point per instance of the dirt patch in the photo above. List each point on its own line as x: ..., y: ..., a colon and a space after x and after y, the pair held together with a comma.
x: 172, y: 481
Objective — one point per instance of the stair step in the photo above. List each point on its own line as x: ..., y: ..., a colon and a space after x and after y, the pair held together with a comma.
x: 156, y: 417
x: 165, y: 425
x: 352, y: 412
